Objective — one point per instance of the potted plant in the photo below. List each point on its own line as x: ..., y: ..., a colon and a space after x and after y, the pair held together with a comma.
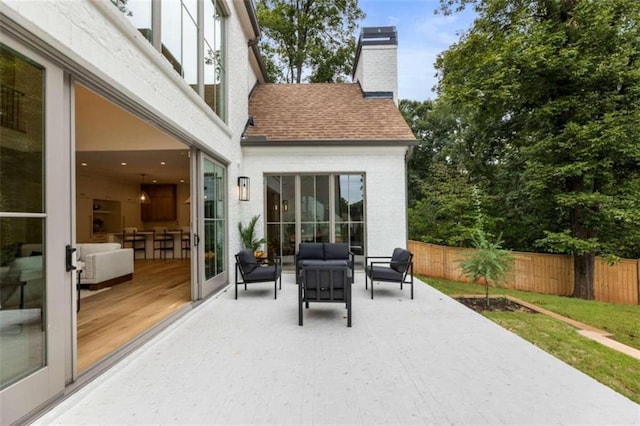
x: 248, y: 237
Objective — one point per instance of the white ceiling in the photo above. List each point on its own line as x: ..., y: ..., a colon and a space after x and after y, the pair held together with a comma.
x: 107, y: 136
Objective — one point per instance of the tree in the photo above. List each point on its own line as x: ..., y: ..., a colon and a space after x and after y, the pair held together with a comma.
x: 439, y: 186
x: 488, y: 261
x: 308, y: 37
x: 552, y: 91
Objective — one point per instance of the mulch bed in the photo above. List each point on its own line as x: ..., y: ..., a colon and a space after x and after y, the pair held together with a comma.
x: 496, y: 304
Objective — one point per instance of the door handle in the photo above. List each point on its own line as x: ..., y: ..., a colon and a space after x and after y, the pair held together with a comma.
x: 69, y: 258
x: 196, y: 239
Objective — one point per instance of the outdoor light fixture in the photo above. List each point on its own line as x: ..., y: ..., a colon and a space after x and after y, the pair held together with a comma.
x: 285, y: 205
x: 144, y: 197
x: 243, y: 188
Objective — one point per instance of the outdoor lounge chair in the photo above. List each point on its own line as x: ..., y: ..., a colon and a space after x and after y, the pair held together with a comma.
x: 250, y: 270
x: 325, y: 284
x: 396, y: 269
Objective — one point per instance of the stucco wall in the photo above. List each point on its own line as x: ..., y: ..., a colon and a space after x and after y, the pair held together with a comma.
x: 384, y: 169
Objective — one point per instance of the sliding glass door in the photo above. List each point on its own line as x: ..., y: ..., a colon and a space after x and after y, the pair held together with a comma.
x: 314, y: 208
x: 213, y: 208
x: 35, y: 206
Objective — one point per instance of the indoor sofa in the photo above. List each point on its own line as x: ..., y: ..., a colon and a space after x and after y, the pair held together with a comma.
x: 104, y: 264
x: 327, y: 254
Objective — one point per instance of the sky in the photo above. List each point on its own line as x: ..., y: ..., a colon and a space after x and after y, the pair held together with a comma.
x: 421, y: 36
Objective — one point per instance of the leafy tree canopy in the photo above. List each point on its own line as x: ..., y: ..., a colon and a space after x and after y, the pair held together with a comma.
x: 550, y: 93
x: 314, y: 38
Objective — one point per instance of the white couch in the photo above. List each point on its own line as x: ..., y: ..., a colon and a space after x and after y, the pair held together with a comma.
x: 105, y: 264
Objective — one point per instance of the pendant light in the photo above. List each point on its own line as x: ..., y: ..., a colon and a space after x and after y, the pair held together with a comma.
x: 144, y: 197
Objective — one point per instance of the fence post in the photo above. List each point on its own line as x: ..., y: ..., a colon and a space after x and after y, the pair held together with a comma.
x: 638, y: 281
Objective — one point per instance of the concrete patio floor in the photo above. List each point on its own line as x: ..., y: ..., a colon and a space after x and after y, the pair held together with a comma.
x: 424, y: 361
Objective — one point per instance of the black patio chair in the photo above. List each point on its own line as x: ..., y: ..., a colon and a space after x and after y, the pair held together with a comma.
x: 250, y: 271
x: 395, y: 269
x: 325, y: 284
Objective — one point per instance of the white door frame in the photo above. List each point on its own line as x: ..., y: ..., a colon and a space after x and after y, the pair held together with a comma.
x: 47, y: 383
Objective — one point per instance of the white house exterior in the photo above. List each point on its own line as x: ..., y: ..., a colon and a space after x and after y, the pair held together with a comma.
x: 85, y: 82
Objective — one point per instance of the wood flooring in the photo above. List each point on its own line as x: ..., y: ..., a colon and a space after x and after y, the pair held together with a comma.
x: 110, y: 319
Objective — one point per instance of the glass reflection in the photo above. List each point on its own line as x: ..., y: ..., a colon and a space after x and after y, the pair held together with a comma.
x: 22, y: 256
x: 214, y: 219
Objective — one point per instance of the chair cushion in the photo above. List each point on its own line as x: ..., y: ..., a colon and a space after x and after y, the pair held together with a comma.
x: 399, y: 259
x: 311, y: 251
x: 318, y: 283
x: 316, y: 262
x: 247, y: 261
x: 383, y: 273
x: 336, y: 251
x: 263, y: 273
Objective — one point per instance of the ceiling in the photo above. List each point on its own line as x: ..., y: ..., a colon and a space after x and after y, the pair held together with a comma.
x: 108, y: 136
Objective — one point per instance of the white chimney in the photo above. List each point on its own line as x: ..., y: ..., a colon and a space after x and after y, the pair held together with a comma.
x: 376, y: 64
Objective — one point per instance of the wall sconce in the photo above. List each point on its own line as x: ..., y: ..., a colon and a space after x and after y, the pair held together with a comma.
x: 243, y: 188
x: 285, y: 205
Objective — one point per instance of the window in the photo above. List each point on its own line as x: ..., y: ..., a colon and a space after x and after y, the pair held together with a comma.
x: 314, y: 208
x: 214, y: 57
x: 179, y: 42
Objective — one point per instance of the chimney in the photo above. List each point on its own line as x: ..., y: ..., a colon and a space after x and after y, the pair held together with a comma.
x: 376, y: 64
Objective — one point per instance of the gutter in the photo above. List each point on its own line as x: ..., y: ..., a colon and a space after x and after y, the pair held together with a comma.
x: 253, y: 141
x: 253, y: 44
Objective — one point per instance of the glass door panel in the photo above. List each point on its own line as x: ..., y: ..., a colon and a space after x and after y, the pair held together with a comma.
x: 32, y: 339
x: 281, y: 217
x: 349, y: 212
x: 214, y: 225
x: 314, y: 198
x: 303, y: 213
x: 22, y: 190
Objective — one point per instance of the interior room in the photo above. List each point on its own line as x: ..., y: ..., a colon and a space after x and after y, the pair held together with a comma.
x: 132, y: 226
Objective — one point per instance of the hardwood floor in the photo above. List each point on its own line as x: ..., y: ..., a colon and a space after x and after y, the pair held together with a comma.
x: 111, y: 318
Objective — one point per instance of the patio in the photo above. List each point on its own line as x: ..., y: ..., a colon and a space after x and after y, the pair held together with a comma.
x: 424, y: 361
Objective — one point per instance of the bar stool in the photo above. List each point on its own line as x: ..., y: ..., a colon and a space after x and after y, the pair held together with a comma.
x: 185, y: 241
x: 136, y: 242
x: 162, y: 242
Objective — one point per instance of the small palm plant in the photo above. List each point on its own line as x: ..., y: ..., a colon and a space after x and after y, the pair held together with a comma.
x: 247, y: 235
x: 489, y: 261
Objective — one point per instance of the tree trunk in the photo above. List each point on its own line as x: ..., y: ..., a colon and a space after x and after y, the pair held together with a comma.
x: 583, y: 266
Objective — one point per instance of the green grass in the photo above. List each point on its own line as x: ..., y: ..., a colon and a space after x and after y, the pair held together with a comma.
x: 612, y: 368
x: 623, y: 321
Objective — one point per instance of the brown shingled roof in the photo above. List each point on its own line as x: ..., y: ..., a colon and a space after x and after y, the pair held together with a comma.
x: 323, y: 111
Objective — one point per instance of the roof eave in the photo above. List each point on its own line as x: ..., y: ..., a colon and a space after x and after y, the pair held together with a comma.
x: 263, y: 142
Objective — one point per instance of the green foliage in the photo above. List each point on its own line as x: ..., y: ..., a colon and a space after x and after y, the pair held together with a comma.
x: 488, y: 261
x: 311, y: 37
x: 247, y: 234
x: 547, y: 96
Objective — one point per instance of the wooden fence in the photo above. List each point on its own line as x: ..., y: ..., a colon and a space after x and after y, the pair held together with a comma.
x: 537, y: 272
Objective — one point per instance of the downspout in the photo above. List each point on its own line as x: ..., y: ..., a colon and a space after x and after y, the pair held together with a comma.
x: 253, y: 43
x: 407, y: 157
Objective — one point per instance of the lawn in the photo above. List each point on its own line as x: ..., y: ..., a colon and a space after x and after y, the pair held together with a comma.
x: 614, y: 369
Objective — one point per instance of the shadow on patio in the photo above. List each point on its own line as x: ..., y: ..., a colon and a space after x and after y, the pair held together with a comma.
x: 424, y: 361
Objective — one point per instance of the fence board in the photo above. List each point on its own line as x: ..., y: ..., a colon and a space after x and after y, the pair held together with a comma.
x: 537, y: 272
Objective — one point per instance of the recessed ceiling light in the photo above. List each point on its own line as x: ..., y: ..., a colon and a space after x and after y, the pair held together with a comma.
x: 162, y: 163
x: 181, y: 180
x: 155, y: 181
x: 123, y: 164
x: 83, y: 164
